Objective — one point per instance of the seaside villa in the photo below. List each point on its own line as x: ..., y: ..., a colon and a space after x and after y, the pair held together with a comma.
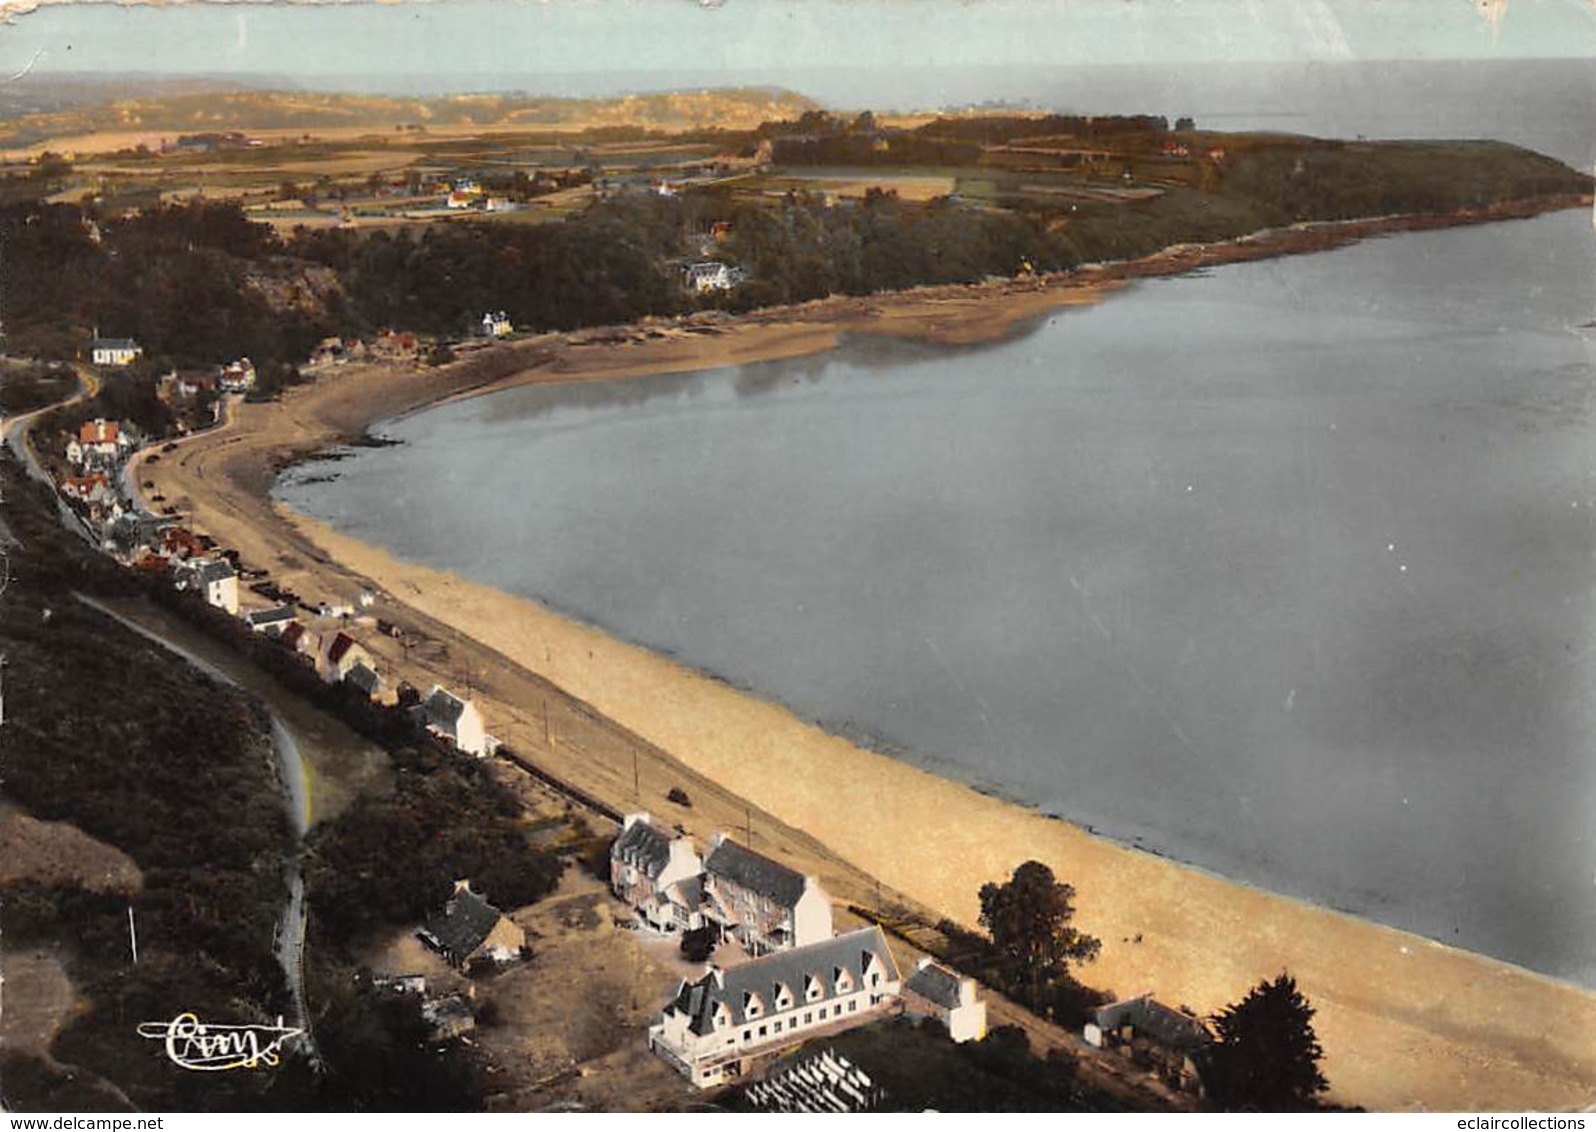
x: 449, y: 717
x: 98, y: 442
x: 657, y: 873
x: 941, y: 993
x: 713, y: 1027
x: 214, y: 579
x: 763, y: 905
x: 113, y: 351
x: 757, y: 903
x: 342, y: 653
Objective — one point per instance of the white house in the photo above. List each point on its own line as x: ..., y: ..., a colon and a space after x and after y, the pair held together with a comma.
x: 763, y: 905
x: 465, y: 194
x: 657, y: 872
x: 93, y: 488
x: 341, y: 654
x: 701, y: 278
x: 113, y: 351
x: 97, y: 441
x: 496, y: 324
x: 272, y: 621
x: 456, y: 720
x: 715, y: 1026
x: 214, y: 579
x: 237, y: 377
x: 949, y: 997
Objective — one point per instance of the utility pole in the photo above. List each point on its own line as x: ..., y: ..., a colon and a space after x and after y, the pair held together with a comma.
x: 132, y: 936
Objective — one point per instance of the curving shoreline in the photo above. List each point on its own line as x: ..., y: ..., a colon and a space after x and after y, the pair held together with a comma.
x: 1405, y: 1021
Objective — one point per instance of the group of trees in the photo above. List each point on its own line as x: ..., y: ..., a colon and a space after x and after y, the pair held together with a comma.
x: 180, y: 779
x: 181, y: 279
x: 1264, y: 1057
x: 806, y: 250
x: 820, y: 138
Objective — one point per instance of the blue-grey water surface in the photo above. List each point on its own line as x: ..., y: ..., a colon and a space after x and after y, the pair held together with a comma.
x: 1287, y: 569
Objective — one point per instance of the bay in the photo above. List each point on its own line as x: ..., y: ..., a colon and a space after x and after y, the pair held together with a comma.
x: 1285, y: 569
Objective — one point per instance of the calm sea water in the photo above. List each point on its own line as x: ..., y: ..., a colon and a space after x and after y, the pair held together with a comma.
x: 1288, y: 570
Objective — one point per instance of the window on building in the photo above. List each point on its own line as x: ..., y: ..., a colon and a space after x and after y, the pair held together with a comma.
x: 762, y: 1030
x: 808, y: 1018
x: 747, y: 1034
x: 853, y: 1005
x: 777, y: 1027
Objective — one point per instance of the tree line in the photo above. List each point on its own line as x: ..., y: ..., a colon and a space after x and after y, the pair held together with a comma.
x: 200, y: 283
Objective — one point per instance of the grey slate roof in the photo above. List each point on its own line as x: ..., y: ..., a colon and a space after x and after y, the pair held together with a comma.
x: 688, y: 892
x: 112, y: 344
x: 936, y: 984
x: 460, y: 927
x: 1169, y: 1028
x: 643, y: 846
x: 364, y: 678
x: 790, y: 969
x: 443, y: 708
x: 757, y: 873
x: 270, y: 616
x: 215, y: 572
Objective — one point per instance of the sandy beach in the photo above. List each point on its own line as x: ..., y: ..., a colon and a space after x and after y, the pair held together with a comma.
x: 1406, y: 1023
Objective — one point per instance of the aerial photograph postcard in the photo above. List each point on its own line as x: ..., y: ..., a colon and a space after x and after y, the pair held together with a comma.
x: 798, y: 556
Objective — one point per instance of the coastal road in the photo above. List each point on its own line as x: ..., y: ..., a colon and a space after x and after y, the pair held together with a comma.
x: 17, y: 434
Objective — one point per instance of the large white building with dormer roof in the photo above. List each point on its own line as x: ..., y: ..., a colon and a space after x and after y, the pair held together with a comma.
x: 714, y: 1026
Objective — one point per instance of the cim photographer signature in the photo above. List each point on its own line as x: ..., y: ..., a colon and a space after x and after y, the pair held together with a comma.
x: 208, y: 1047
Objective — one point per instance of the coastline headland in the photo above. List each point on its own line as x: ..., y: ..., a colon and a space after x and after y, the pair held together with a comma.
x: 1406, y: 1023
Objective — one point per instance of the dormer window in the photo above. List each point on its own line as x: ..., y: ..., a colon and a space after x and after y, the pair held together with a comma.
x: 782, y: 997
x: 722, y: 1016
x: 752, y: 1007
x: 814, y: 989
x: 841, y: 980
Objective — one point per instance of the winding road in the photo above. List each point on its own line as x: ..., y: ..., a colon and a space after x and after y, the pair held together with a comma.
x: 17, y: 433
x: 291, y: 770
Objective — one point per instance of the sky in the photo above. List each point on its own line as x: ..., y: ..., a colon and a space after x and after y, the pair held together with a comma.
x: 396, y: 45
